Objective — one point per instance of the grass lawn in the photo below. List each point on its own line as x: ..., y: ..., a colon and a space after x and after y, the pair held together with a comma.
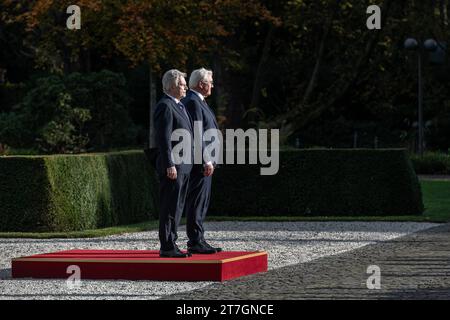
x: 436, y: 197
x: 143, y: 226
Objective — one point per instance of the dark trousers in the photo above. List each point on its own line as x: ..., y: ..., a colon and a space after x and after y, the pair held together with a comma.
x: 197, y: 203
x: 172, y: 196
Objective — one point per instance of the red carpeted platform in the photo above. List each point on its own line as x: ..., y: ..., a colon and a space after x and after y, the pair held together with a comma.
x: 140, y: 265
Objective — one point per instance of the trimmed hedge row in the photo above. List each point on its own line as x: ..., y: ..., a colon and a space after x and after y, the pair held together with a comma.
x: 78, y: 192
x: 431, y: 163
x: 325, y: 182
x: 75, y: 192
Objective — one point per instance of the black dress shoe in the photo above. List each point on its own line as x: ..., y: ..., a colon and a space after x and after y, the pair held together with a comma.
x: 174, y: 253
x: 206, y: 244
x: 199, y: 248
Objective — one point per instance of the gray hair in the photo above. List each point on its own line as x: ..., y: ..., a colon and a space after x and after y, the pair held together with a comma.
x: 197, y: 76
x: 172, y: 78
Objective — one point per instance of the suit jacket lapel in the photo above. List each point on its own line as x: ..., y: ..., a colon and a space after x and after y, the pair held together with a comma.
x: 183, y: 115
x: 210, y: 112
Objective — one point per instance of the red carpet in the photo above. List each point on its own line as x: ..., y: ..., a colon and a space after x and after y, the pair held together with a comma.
x: 141, y: 265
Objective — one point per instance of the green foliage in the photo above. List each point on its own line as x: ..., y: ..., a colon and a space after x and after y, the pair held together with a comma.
x: 75, y: 192
x: 284, y: 63
x: 22, y: 152
x: 431, y: 163
x: 104, y: 94
x: 64, y: 133
x: 321, y: 183
x: 4, y: 149
x: 10, y: 95
x: 344, y: 133
x: 360, y: 75
x: 69, y: 114
x: 24, y: 194
x: 13, y: 130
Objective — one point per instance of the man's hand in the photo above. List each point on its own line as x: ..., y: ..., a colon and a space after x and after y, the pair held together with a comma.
x: 172, y: 173
x: 209, y: 169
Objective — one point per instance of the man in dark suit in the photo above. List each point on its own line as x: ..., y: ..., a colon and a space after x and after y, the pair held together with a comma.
x: 199, y: 191
x: 170, y: 115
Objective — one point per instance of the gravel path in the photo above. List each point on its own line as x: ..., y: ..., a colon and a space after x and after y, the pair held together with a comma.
x: 288, y: 244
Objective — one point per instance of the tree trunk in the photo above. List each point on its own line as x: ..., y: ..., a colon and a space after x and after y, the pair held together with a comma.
x: 294, y: 120
x: 88, y: 66
x: 219, y: 91
x: 314, y: 76
x: 257, y: 84
x: 152, y: 104
x: 443, y: 13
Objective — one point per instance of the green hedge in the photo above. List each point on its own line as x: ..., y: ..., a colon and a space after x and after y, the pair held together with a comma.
x: 78, y: 192
x: 75, y: 192
x: 431, y: 163
x: 313, y: 182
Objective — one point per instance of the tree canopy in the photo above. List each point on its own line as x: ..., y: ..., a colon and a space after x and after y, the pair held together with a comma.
x: 308, y: 67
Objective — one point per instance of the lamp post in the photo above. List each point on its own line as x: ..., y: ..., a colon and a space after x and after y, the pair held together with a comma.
x: 428, y: 45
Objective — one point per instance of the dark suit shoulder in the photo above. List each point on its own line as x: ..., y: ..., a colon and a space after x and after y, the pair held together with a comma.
x: 189, y: 99
x: 193, y: 106
x: 164, y: 101
x: 164, y: 105
x: 161, y: 107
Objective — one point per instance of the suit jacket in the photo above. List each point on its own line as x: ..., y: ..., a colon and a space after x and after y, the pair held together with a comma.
x: 167, y: 118
x: 200, y: 111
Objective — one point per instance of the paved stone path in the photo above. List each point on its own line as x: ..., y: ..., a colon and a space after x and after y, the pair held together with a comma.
x: 416, y: 266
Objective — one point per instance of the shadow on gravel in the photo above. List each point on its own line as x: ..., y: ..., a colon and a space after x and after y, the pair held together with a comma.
x: 320, y: 226
x: 5, y: 274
